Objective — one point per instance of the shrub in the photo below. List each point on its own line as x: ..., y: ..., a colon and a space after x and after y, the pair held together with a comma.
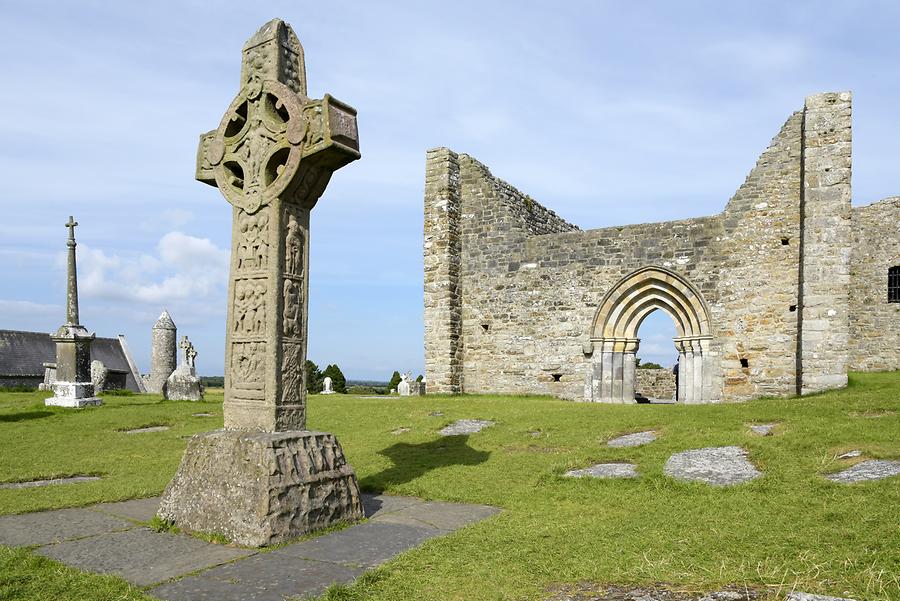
x: 338, y: 381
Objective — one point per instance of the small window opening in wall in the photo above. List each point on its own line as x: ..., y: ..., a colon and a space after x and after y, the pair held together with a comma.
x: 485, y: 326
x: 745, y: 363
x: 557, y: 377
x: 793, y: 308
x: 785, y: 241
x: 894, y: 284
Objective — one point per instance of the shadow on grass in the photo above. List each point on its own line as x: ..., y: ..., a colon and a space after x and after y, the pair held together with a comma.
x: 414, y: 460
x: 25, y: 415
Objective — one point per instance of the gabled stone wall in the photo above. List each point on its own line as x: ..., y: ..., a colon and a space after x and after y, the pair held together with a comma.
x: 529, y: 283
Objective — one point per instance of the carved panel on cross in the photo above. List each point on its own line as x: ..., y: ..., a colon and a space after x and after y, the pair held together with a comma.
x: 291, y: 374
x: 253, y: 241
x: 248, y: 365
x: 249, y: 308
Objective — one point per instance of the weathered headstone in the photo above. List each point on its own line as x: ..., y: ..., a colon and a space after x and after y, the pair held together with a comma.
x: 73, y: 386
x: 404, y: 388
x: 183, y: 384
x: 264, y: 478
x: 327, y: 386
x: 99, y: 373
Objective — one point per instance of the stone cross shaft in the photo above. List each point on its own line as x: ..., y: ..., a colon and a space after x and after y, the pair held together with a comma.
x: 272, y: 157
x: 72, y: 278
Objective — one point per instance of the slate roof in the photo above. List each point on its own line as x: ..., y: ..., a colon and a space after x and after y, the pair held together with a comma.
x: 24, y: 354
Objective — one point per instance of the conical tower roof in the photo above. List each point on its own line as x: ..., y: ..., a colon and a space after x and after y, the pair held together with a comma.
x: 164, y: 322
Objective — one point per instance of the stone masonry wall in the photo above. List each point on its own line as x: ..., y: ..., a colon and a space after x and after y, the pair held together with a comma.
x: 528, y: 300
x: 442, y: 260
x: 874, y: 322
x: 655, y: 383
x: 529, y: 284
x: 825, y: 268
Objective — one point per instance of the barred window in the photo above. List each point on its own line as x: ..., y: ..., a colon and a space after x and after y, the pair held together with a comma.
x: 894, y: 284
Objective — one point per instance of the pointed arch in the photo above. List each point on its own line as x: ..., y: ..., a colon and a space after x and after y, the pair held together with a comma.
x: 616, y: 323
x: 638, y: 293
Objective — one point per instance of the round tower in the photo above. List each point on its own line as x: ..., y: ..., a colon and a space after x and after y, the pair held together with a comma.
x: 163, y: 353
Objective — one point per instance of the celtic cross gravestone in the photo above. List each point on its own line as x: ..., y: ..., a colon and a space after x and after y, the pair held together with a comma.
x: 264, y: 478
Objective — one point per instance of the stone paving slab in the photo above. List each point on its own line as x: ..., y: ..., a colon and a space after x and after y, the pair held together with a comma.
x: 632, y: 440
x: 719, y: 466
x: 53, y: 526
x: 465, y: 426
x: 376, y: 505
x: 107, y: 538
x: 140, y: 510
x: 142, y: 556
x: 605, y: 470
x: 366, y: 545
x: 264, y: 577
x: 50, y: 482
x: 812, y: 597
x: 873, y: 469
x: 438, y: 515
x: 762, y: 429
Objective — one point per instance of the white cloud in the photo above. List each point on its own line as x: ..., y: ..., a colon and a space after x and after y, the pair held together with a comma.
x: 186, y: 268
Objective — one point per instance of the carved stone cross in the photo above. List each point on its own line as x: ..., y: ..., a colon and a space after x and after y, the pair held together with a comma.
x: 272, y: 157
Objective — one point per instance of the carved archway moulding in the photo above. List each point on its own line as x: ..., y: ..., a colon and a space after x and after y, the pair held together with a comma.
x: 614, y: 342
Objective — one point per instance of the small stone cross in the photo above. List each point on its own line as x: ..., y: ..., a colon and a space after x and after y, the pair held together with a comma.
x: 71, y: 225
x: 186, y: 346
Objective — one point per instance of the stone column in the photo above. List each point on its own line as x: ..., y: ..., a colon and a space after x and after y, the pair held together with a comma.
x: 73, y: 386
x: 686, y: 370
x: 265, y: 479
x: 681, y: 394
x: 697, y: 379
x: 606, y: 381
x: 628, y: 375
x: 618, y: 371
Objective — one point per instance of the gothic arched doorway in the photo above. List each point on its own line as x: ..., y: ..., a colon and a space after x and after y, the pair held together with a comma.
x: 615, y: 343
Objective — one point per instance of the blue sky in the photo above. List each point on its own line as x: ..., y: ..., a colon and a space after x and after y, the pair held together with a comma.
x: 607, y: 112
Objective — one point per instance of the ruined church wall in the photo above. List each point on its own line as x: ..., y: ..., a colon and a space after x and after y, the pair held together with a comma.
x: 527, y: 301
x: 874, y: 322
x: 525, y: 295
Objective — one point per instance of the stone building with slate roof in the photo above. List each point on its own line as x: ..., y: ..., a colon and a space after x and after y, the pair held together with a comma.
x: 783, y: 292
x: 25, y: 357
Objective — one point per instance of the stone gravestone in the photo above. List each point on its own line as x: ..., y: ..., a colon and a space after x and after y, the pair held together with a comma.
x: 99, y: 374
x: 404, y: 388
x: 183, y: 384
x: 73, y: 386
x: 327, y: 386
x: 264, y: 478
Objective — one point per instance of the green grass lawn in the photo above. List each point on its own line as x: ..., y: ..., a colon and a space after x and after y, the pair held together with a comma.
x: 789, y: 529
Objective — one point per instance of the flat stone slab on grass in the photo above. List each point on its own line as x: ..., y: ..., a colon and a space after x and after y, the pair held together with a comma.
x: 46, y: 527
x: 719, y: 466
x: 594, y: 591
x: 274, y: 576
x: 873, y: 469
x: 812, y: 597
x: 142, y: 556
x: 632, y: 440
x: 49, y: 482
x: 466, y: 426
x: 147, y: 429
x: 762, y: 429
x: 605, y: 470
x: 107, y: 538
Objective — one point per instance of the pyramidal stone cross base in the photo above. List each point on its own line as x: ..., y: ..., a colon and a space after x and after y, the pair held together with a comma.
x: 262, y: 488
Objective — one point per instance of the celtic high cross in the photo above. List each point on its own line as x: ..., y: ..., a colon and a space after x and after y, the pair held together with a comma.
x: 272, y: 157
